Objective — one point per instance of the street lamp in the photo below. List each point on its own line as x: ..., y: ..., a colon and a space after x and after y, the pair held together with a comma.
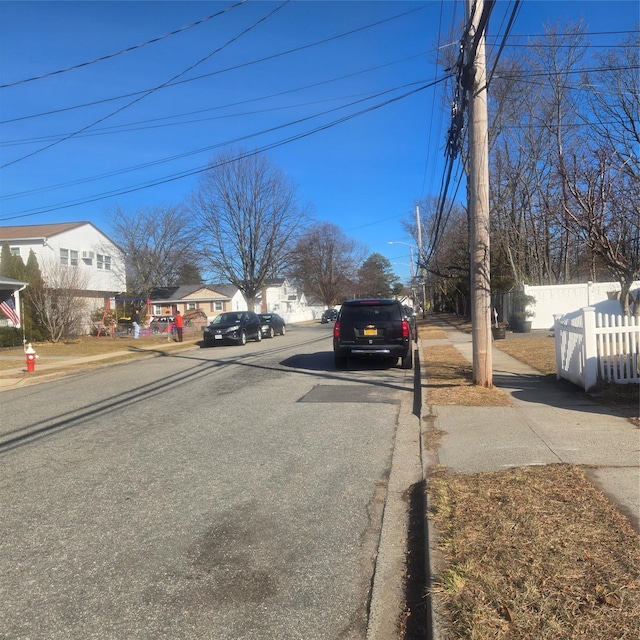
x: 411, y: 248
x: 413, y: 271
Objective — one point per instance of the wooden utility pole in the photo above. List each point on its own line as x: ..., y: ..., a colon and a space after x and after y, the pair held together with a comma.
x: 475, y: 82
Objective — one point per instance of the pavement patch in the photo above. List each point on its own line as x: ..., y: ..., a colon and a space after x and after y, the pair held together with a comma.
x: 350, y: 393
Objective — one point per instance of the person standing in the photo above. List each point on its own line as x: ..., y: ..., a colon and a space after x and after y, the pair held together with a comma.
x: 135, y: 321
x: 178, y: 323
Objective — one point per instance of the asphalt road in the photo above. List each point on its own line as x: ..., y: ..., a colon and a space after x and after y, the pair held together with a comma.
x: 226, y: 493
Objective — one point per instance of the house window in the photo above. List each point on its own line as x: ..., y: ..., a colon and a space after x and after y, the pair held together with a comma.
x: 191, y: 306
x: 103, y: 262
x: 73, y: 258
x: 217, y: 306
x: 15, y: 251
x: 64, y: 256
x: 157, y: 310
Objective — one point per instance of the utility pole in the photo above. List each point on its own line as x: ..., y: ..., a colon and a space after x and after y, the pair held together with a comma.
x: 475, y: 82
x: 421, y: 261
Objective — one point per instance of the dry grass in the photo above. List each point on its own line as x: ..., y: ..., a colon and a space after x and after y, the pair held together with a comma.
x: 49, y: 353
x: 538, y: 352
x: 529, y: 553
x: 534, y: 553
x: 450, y: 380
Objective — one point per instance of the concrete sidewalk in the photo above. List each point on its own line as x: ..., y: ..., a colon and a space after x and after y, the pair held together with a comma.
x: 547, y: 423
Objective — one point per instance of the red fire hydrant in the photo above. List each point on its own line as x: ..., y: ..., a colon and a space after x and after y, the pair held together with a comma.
x: 31, y: 358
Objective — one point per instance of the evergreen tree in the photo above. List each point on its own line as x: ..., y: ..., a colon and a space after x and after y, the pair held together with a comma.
x: 32, y: 323
x: 376, y: 278
x: 6, y: 260
x: 11, y: 266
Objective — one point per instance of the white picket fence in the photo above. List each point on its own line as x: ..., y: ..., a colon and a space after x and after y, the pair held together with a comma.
x: 593, y: 348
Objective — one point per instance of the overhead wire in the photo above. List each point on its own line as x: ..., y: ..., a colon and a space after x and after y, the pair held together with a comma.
x: 122, y: 51
x: 151, y: 91
x: 119, y: 128
x: 217, y: 72
x: 466, y: 55
x: 203, y: 168
x: 217, y: 145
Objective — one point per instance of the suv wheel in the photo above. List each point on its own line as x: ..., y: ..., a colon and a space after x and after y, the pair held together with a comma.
x: 243, y: 338
x: 259, y: 335
x: 407, y: 361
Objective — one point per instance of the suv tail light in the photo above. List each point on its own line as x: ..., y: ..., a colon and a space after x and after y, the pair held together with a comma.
x: 405, y: 329
x: 336, y: 330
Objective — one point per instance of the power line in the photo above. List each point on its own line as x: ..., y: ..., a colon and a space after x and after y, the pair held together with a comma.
x: 214, y: 146
x: 120, y: 128
x: 214, y: 73
x: 123, y: 51
x: 151, y: 91
x: 203, y: 168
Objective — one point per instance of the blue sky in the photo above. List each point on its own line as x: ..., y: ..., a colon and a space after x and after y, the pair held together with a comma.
x: 76, y: 144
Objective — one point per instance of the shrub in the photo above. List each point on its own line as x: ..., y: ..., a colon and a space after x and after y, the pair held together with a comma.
x: 10, y: 337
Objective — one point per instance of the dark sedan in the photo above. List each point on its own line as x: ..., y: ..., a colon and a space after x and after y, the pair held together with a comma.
x: 329, y: 315
x: 233, y: 328
x: 272, y: 325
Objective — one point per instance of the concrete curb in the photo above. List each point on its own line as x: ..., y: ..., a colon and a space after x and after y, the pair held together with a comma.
x: 387, y: 593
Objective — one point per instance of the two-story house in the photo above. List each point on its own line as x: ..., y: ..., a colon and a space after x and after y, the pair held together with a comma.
x: 99, y: 261
x: 280, y: 296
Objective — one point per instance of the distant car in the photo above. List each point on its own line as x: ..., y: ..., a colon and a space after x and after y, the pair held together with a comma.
x: 410, y: 314
x: 330, y: 315
x: 233, y: 327
x: 162, y: 324
x: 372, y: 327
x: 272, y: 324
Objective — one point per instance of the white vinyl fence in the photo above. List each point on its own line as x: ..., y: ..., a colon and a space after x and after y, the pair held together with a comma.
x: 593, y: 348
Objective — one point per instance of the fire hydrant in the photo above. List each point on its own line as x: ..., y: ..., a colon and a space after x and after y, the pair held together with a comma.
x: 31, y: 358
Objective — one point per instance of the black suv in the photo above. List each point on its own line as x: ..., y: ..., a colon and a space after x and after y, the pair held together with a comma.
x: 372, y: 327
x: 233, y: 327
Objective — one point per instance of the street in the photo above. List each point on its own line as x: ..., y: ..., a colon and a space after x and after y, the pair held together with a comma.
x: 224, y: 493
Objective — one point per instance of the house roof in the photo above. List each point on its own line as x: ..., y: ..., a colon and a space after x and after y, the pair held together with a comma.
x: 275, y: 282
x: 182, y: 292
x: 10, y: 283
x: 39, y: 231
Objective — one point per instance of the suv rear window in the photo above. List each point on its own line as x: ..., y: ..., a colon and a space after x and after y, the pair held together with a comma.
x: 372, y: 313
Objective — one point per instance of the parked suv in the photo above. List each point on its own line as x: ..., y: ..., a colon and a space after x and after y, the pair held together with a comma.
x: 372, y: 327
x: 233, y: 327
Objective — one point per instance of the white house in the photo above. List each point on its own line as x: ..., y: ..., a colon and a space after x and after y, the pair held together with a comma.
x: 279, y: 296
x: 74, y: 244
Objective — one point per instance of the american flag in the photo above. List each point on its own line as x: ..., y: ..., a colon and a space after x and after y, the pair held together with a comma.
x: 8, y: 307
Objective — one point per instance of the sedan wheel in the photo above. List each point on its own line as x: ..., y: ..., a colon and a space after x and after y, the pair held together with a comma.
x: 283, y: 330
x: 259, y: 335
x: 243, y: 338
x: 271, y: 332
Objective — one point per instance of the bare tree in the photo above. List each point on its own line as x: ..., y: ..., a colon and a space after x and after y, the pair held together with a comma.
x: 603, y: 211
x: 601, y: 173
x: 248, y: 218
x: 57, y: 300
x: 325, y: 262
x: 157, y: 246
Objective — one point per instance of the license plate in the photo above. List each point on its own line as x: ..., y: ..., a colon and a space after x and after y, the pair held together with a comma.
x: 218, y: 336
x: 370, y: 332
